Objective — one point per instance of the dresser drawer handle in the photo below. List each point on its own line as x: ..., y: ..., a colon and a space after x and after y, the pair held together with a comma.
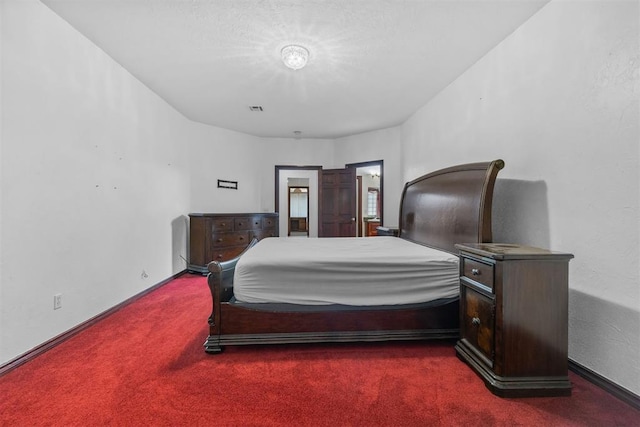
x: 219, y: 240
x: 241, y: 238
x: 475, y: 271
x: 475, y: 321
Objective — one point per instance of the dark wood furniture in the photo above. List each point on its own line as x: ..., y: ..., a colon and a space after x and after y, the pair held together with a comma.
x: 297, y: 224
x: 371, y: 228
x: 387, y: 231
x: 224, y: 236
x: 438, y: 210
x: 513, y: 318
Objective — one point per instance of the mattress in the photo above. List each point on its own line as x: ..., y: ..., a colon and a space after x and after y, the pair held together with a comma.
x: 357, y: 271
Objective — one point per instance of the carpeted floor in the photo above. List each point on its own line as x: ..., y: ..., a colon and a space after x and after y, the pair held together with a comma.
x: 145, y: 365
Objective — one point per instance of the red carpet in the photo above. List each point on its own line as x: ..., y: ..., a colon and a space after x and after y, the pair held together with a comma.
x: 145, y: 365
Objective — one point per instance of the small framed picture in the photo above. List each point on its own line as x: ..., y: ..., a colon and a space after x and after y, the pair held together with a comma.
x: 232, y: 185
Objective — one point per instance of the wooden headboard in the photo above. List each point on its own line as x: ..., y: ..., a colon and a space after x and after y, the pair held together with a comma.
x: 449, y: 206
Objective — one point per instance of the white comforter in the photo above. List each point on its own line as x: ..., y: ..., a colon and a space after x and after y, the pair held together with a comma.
x: 350, y: 271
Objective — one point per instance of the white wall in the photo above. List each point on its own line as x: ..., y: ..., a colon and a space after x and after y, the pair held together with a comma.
x: 95, y: 180
x: 384, y: 145
x: 217, y: 153
x: 220, y: 154
x: 558, y: 101
x: 2, y: 18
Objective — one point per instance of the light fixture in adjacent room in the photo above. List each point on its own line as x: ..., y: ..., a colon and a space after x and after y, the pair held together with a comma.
x: 294, y: 56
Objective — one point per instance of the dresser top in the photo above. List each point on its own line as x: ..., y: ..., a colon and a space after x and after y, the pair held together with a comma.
x: 507, y: 251
x: 234, y: 214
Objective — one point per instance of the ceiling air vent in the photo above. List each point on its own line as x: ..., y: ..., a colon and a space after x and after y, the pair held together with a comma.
x: 255, y: 108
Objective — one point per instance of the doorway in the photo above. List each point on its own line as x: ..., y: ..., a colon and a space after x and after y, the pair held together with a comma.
x: 370, y: 195
x: 298, y: 213
x: 282, y: 176
x: 283, y: 173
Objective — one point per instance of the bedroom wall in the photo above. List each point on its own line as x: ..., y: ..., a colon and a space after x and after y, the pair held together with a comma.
x: 2, y: 17
x: 221, y: 154
x: 558, y: 101
x: 94, y: 180
x: 384, y: 144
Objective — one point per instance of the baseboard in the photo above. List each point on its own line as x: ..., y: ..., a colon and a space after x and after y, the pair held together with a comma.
x: 605, y: 384
x: 47, y: 345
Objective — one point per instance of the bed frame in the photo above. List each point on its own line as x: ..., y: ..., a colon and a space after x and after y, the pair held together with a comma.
x: 440, y: 209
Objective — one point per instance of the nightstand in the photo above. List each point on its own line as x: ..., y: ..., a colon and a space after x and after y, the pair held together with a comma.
x: 513, y: 318
x: 386, y: 231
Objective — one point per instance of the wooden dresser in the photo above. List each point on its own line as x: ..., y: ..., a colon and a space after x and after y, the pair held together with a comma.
x: 513, y: 318
x: 221, y: 237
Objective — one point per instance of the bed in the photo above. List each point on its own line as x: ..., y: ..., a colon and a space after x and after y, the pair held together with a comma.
x: 399, y: 288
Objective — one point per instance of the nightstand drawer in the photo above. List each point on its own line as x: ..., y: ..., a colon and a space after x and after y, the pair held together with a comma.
x: 478, y: 271
x: 478, y: 322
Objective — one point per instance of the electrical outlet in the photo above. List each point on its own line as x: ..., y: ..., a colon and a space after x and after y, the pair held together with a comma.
x: 57, y: 301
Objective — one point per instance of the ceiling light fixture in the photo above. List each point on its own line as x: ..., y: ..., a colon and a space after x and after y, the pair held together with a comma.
x: 294, y: 56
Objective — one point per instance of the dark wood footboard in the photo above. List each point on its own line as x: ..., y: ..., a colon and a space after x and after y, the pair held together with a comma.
x: 242, y: 325
x: 220, y: 281
x: 234, y: 324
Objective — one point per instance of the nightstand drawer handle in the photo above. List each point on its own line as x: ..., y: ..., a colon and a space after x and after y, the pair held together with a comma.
x: 475, y: 271
x: 475, y: 321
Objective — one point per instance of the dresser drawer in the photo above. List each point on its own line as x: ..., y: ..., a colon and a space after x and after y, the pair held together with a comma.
x: 224, y: 254
x: 261, y: 234
x: 221, y: 224
x: 478, y: 322
x: 219, y: 240
x: 478, y: 271
x: 248, y: 223
x: 269, y: 223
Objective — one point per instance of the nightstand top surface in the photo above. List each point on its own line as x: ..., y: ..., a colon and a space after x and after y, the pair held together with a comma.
x: 500, y: 251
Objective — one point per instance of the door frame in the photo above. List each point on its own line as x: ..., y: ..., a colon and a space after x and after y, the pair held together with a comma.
x: 359, y: 205
x: 279, y: 168
x: 289, y: 210
x: 381, y: 195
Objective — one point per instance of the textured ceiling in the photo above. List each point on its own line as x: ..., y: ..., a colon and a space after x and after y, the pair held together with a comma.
x: 372, y: 63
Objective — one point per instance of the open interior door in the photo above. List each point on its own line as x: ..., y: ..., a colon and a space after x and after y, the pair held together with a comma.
x: 337, y: 203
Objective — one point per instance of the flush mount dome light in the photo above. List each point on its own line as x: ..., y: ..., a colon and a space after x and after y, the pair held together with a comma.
x: 294, y: 56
